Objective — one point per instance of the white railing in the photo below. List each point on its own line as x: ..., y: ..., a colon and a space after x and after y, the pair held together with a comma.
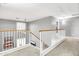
x: 50, y: 37
x: 11, y: 38
x: 34, y: 39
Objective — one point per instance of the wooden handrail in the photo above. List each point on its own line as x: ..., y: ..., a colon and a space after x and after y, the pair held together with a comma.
x: 12, y: 30
x: 50, y: 30
x: 35, y: 35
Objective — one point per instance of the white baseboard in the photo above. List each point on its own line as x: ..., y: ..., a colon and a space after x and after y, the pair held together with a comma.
x: 17, y: 48
x: 43, y: 53
x: 13, y: 50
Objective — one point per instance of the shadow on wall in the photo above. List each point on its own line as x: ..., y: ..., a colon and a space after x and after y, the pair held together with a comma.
x: 72, y: 28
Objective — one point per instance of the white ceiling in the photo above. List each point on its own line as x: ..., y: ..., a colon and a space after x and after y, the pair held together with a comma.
x: 34, y: 11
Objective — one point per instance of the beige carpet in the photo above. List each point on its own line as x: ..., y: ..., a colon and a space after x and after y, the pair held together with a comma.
x: 70, y: 47
x: 28, y: 51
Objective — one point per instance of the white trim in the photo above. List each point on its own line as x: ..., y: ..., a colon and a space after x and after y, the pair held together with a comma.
x: 41, y: 48
x: 51, y: 47
x: 72, y: 37
x: 29, y: 38
x: 2, y: 34
x: 13, y: 49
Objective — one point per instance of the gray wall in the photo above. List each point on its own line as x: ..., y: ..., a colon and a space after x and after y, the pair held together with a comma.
x: 68, y: 28
x: 11, y: 25
x: 6, y: 25
x: 27, y: 33
x: 72, y: 27
x: 35, y: 26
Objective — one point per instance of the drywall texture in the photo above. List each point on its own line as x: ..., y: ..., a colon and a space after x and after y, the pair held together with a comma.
x: 72, y: 27
x: 27, y: 33
x: 45, y: 23
x: 6, y: 25
x: 11, y: 25
x: 34, y: 11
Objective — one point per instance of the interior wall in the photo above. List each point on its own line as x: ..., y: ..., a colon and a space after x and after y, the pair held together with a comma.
x: 75, y: 27
x: 6, y: 25
x: 72, y: 29
x: 27, y: 33
x: 45, y: 23
x: 68, y: 28
x: 11, y: 25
